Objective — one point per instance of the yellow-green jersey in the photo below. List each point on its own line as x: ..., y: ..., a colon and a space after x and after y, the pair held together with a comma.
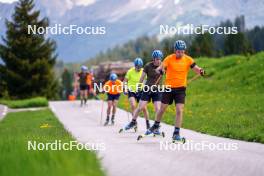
x: 133, y: 78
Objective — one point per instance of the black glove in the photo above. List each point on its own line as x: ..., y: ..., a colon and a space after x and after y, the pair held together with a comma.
x: 202, y: 72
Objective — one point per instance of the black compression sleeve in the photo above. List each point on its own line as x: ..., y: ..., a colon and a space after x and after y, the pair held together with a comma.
x: 193, y: 65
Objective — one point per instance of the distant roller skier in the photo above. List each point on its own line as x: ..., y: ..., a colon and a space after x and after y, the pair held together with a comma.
x: 113, y: 87
x: 82, y: 77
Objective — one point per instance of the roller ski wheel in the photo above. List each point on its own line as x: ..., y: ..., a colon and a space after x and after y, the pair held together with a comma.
x: 162, y: 134
x: 154, y: 130
x: 121, y: 130
x: 179, y: 140
x: 106, y: 123
x: 126, y: 129
x: 140, y: 137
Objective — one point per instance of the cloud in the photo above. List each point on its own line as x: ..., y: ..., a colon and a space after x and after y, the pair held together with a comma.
x: 84, y: 2
x: 8, y: 1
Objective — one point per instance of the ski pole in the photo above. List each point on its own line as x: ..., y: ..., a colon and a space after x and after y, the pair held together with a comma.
x: 160, y: 76
x: 202, y: 73
x: 127, y: 102
x: 102, y: 109
x: 194, y: 78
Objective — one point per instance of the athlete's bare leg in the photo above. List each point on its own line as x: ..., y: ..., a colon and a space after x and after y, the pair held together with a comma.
x: 133, y: 104
x: 81, y: 96
x: 141, y: 106
x: 114, y: 103
x: 146, y: 113
x: 161, y: 111
x: 179, y: 115
x: 109, y: 106
x: 157, y: 106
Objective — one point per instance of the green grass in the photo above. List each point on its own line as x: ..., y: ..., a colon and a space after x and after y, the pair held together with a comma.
x: 26, y: 103
x: 228, y: 102
x: 16, y: 129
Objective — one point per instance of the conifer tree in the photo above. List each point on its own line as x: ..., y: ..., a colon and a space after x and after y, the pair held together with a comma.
x: 28, y: 58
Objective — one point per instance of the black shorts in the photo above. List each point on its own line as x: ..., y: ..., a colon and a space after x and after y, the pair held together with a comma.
x: 177, y: 95
x: 83, y: 86
x: 148, y: 96
x: 112, y: 97
x: 136, y: 95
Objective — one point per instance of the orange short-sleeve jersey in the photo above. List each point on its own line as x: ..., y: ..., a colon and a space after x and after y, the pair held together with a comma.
x: 89, y: 79
x: 113, y: 87
x: 177, y: 70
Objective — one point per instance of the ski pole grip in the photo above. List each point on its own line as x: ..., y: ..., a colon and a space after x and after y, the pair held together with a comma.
x: 202, y: 72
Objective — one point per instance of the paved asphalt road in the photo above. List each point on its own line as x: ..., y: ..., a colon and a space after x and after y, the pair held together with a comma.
x: 124, y: 155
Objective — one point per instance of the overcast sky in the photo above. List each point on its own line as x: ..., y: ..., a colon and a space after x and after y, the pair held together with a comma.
x: 8, y: 1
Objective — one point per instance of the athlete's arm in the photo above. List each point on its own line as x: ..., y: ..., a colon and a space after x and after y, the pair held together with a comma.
x: 160, y: 69
x: 125, y: 81
x: 142, y: 77
x: 125, y: 85
x: 77, y: 76
x: 198, y: 70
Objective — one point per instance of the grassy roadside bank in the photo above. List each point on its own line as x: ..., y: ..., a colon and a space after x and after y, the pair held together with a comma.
x: 26, y: 103
x: 16, y: 129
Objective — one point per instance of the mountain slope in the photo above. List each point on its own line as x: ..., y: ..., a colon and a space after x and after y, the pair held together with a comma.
x: 125, y: 20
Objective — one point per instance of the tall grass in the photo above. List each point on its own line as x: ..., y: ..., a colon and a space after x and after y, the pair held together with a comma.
x: 26, y: 103
x: 16, y: 129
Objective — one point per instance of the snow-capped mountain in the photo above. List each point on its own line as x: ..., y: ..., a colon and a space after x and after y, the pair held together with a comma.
x: 128, y: 19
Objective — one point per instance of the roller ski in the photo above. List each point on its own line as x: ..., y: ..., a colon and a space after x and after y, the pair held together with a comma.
x: 152, y: 131
x: 106, y: 121
x: 147, y: 124
x: 112, y: 121
x: 83, y: 102
x: 176, y: 138
x: 131, y: 125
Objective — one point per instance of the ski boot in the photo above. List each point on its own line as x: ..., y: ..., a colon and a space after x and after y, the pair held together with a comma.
x: 176, y: 138
x: 106, y: 121
x: 132, y: 124
x: 147, y: 124
x: 112, y: 121
x: 152, y: 130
